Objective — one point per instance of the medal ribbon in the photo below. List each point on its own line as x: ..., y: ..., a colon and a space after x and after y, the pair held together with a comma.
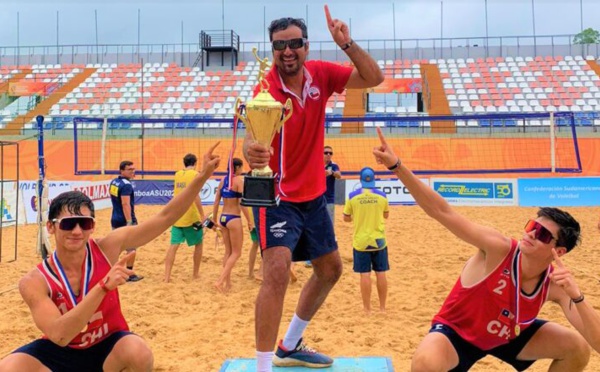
x: 229, y: 176
x: 65, y: 281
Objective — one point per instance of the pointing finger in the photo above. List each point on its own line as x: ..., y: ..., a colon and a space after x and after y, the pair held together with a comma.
x: 328, y: 15
x: 381, y: 137
x: 557, y: 259
x: 213, y: 147
x: 124, y: 259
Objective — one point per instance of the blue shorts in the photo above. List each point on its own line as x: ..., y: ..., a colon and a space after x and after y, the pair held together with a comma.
x: 365, y: 261
x: 305, y: 228
x: 66, y: 359
x: 469, y: 354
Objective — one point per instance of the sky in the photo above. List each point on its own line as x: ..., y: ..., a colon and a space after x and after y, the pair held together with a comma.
x: 161, y: 21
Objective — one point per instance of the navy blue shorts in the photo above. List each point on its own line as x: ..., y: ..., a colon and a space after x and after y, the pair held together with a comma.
x: 469, y: 354
x: 305, y: 228
x: 66, y: 359
x: 365, y: 261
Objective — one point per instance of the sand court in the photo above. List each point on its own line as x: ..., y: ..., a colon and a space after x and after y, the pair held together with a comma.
x: 191, y: 327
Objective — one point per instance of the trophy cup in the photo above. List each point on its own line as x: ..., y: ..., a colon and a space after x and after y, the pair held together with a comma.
x: 263, y: 117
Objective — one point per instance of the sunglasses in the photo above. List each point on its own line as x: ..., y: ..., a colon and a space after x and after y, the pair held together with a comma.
x: 69, y: 223
x: 541, y: 233
x: 292, y: 43
x: 328, y: 153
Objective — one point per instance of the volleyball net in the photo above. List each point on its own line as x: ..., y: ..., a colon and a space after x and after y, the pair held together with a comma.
x: 468, y: 144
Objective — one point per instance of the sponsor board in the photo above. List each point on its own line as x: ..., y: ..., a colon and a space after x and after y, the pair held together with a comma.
x: 97, y: 191
x: 161, y: 192
x: 29, y: 192
x: 395, y: 190
x: 477, y: 192
x: 559, y: 192
x: 8, y: 208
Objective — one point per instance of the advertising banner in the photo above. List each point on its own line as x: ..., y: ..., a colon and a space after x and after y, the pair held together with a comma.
x: 477, y: 192
x: 559, y: 192
x: 161, y: 192
x: 29, y: 192
x: 8, y: 207
x: 399, y: 86
x: 393, y: 189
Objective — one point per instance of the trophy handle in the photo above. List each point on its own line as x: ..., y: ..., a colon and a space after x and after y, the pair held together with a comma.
x: 238, y: 106
x: 287, y: 107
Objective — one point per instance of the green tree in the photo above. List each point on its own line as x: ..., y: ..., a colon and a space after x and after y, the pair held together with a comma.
x: 587, y: 36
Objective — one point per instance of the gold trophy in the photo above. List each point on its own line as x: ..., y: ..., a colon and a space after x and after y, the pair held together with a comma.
x: 263, y: 117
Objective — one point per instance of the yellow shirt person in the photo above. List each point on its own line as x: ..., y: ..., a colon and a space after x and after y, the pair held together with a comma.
x: 183, y: 178
x: 367, y: 207
x: 187, y: 229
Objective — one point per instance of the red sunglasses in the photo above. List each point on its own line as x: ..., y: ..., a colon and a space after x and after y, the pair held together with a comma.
x: 69, y: 223
x: 541, y: 233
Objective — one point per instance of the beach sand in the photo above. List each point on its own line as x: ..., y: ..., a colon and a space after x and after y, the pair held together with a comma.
x: 191, y: 327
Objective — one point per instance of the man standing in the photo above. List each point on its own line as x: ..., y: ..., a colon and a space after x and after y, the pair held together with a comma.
x: 368, y: 207
x: 332, y: 172
x: 299, y: 228
x: 189, y: 227
x: 123, y: 213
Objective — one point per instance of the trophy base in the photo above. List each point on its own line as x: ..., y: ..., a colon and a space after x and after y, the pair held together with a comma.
x: 259, y: 192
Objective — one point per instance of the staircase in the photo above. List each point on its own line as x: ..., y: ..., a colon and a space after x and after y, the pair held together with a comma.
x: 354, y: 106
x: 435, y: 99
x: 15, y: 127
x: 16, y: 77
x: 594, y: 66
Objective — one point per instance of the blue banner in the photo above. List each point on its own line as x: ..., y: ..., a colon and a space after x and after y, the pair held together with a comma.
x: 152, y: 192
x: 156, y: 192
x: 559, y: 192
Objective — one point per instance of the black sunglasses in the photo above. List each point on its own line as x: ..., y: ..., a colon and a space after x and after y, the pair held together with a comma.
x: 69, y: 223
x: 328, y: 153
x: 292, y: 43
x: 541, y: 233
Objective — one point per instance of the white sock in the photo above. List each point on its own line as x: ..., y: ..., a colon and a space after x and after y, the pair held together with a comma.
x: 294, y: 332
x: 264, y: 361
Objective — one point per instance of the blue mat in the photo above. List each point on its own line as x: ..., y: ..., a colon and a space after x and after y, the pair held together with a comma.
x: 359, y: 364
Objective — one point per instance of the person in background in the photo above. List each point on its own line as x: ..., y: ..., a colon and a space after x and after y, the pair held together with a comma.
x: 123, y: 212
x: 187, y: 229
x: 367, y: 208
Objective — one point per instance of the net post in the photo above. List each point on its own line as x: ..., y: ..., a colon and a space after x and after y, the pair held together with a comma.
x: 40, y: 248
x: 103, y: 145
x: 552, y: 143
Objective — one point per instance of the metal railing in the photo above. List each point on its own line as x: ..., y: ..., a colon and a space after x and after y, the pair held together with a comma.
x: 185, y: 54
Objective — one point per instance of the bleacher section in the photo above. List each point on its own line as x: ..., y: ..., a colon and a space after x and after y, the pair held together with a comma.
x: 472, y: 86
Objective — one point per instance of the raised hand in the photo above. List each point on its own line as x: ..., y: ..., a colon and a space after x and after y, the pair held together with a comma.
x: 563, y: 277
x: 119, y: 273
x: 211, y: 162
x: 384, y: 154
x: 339, y: 30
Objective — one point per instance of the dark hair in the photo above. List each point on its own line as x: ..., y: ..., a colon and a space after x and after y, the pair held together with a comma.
x: 283, y: 24
x: 190, y: 159
x: 569, y: 234
x: 237, y: 162
x: 124, y: 164
x: 72, y: 201
x: 327, y: 147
